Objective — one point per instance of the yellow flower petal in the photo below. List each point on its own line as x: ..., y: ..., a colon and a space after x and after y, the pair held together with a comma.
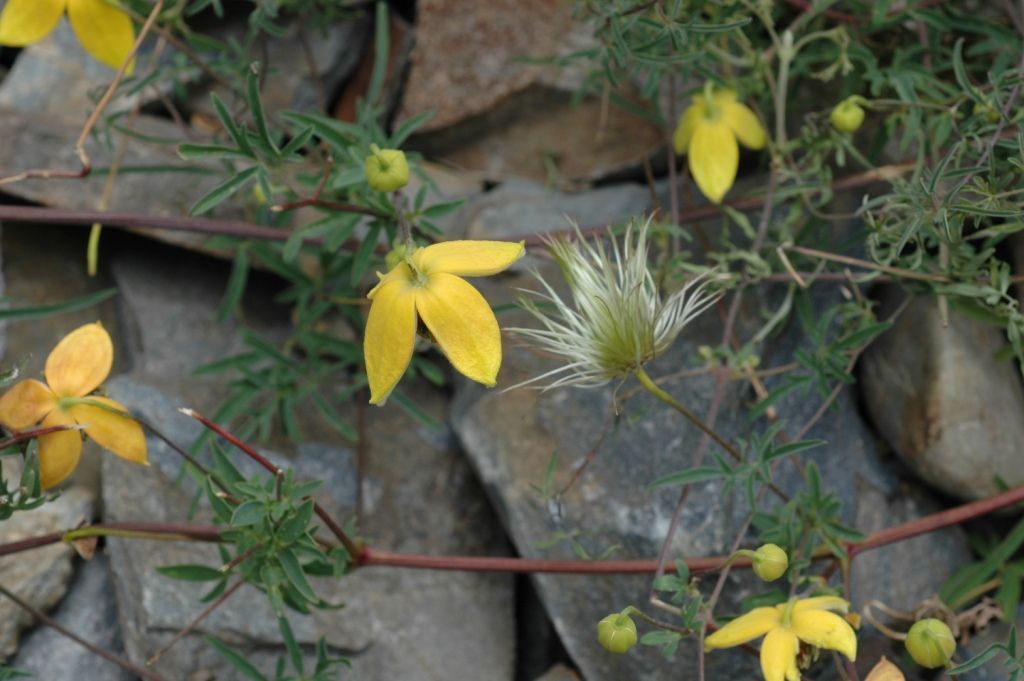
x: 688, y: 122
x: 25, y: 405
x: 825, y: 630
x: 80, y: 362
x: 744, y: 124
x: 390, y: 335
x: 468, y: 258
x: 463, y: 324
x: 833, y: 603
x: 24, y: 22
x: 778, y: 656
x: 885, y: 671
x: 714, y: 158
x: 744, y: 628
x: 122, y: 435
x: 58, y: 452
x: 104, y: 31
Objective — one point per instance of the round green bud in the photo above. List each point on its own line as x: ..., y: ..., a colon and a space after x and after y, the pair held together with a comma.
x: 930, y: 642
x: 386, y: 169
x: 395, y: 256
x: 616, y: 633
x: 770, y: 562
x: 990, y: 112
x: 848, y: 116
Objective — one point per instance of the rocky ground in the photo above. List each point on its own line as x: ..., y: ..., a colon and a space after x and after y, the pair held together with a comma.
x: 897, y: 440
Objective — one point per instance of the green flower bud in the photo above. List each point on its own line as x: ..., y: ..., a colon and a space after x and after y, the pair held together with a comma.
x: 930, y: 642
x: 616, y: 633
x: 848, y: 116
x: 990, y: 113
x: 770, y: 562
x: 395, y: 256
x: 386, y: 169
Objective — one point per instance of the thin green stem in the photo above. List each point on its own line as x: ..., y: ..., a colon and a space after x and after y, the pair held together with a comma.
x: 656, y: 390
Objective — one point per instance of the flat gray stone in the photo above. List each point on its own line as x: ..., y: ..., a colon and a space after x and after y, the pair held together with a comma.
x: 943, y: 402
x: 39, y: 576
x: 89, y: 610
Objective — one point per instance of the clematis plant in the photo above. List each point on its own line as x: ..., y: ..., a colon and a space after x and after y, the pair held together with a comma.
x: 811, y: 620
x: 74, y: 369
x: 708, y: 133
x: 427, y: 285
x: 105, y: 31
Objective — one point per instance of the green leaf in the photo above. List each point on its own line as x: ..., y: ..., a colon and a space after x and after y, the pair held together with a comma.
x: 687, y: 477
x: 235, y: 659
x: 223, y: 191
x: 236, y: 284
x: 229, y: 125
x: 191, y: 573
x: 249, y: 513
x: 293, y: 647
x: 81, y: 303
x: 296, y: 577
x: 189, y: 152
x: 407, y: 128
x: 259, y: 117
x: 361, y: 260
x: 381, y: 40
x: 792, y: 448
x: 981, y: 658
x: 1008, y: 595
x: 414, y: 410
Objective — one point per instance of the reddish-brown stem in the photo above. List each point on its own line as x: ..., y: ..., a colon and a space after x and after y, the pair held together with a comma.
x: 378, y: 557
x: 92, y: 648
x: 15, y: 438
x: 353, y: 549
x: 180, y: 531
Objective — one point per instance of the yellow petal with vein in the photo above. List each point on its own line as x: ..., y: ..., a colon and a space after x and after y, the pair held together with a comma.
x: 825, y: 630
x: 688, y: 122
x: 24, y: 22
x: 744, y: 628
x: 58, y: 452
x: 778, y: 656
x: 463, y: 324
x: 25, y: 405
x: 80, y: 362
x: 714, y: 158
x: 833, y: 603
x: 744, y: 124
x: 122, y: 435
x: 885, y: 671
x: 468, y: 258
x: 390, y: 336
x: 104, y: 31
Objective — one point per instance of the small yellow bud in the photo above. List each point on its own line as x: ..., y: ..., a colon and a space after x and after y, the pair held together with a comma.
x: 616, y: 633
x: 770, y: 562
x: 386, y: 169
x: 848, y: 116
x: 930, y: 642
x: 395, y: 256
x: 990, y: 112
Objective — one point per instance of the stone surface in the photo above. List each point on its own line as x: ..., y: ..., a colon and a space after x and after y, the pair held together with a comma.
x: 511, y: 437
x: 559, y: 673
x: 40, y: 577
x: 943, y: 402
x: 90, y: 611
x: 514, y: 118
x: 296, y: 80
x: 57, y: 78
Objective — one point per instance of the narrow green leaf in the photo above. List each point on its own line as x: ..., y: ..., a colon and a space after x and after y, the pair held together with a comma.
x: 259, y: 117
x: 191, y: 573
x: 36, y: 311
x: 296, y: 577
x: 229, y: 125
x: 235, y: 659
x: 236, y: 284
x: 687, y: 477
x: 223, y: 191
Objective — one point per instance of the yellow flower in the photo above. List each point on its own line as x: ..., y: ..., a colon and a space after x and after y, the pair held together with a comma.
x: 76, y: 367
x: 427, y: 285
x: 105, y: 31
x: 707, y: 133
x: 784, y: 627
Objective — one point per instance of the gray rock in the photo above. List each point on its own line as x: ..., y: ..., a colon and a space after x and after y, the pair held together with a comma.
x: 90, y: 611
x: 56, y: 77
x: 944, y: 403
x: 41, y: 576
x: 511, y: 437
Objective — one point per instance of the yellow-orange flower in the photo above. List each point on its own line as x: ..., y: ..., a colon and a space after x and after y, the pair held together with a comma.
x: 76, y: 367
x: 784, y: 627
x: 105, y: 31
x: 708, y: 132
x: 427, y: 284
